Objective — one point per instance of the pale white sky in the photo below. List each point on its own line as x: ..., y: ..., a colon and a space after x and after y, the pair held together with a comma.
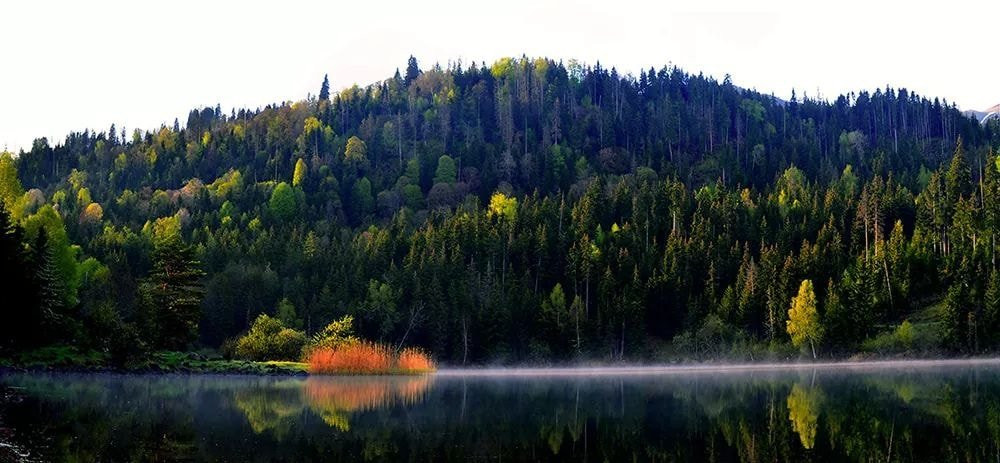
x: 71, y: 65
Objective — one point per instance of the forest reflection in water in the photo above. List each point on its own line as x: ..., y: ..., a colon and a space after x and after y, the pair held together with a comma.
x: 907, y: 414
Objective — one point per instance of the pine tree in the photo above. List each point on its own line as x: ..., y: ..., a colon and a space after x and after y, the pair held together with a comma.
x: 324, y: 89
x: 50, y: 285
x: 990, y: 323
x: 412, y: 71
x: 174, y: 292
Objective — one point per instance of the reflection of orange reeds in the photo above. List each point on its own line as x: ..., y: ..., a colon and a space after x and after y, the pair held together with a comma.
x: 367, y: 358
x: 334, y: 399
x: 361, y: 357
x: 359, y: 394
x: 414, y: 360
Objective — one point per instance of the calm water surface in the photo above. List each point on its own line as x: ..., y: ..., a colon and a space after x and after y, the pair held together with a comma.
x: 903, y: 413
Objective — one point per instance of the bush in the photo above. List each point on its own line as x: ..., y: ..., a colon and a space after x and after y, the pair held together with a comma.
x: 905, y: 338
x: 268, y: 339
x: 368, y: 358
x: 337, y: 334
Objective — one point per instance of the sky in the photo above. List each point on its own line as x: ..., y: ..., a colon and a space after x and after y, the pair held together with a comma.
x: 68, y: 66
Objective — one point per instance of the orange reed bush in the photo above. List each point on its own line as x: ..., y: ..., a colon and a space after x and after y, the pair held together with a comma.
x: 413, y: 361
x: 367, y: 358
x: 356, y: 358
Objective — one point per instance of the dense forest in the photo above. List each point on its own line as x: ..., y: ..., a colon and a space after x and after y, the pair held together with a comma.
x: 528, y: 210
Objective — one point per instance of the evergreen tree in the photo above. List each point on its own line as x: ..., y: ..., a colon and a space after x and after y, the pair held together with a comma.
x: 174, y: 292
x: 445, y: 172
x: 324, y: 89
x: 50, y: 284
x: 412, y: 71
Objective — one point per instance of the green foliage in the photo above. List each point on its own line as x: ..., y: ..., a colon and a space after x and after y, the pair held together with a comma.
x: 286, y: 314
x: 10, y: 186
x: 356, y: 151
x: 381, y: 308
x: 171, y: 295
x: 63, y: 255
x: 269, y: 339
x: 665, y: 223
x: 282, y: 203
x: 446, y: 172
x: 338, y: 333
x: 362, y: 200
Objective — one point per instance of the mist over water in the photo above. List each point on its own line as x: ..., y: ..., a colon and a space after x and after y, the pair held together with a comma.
x: 648, y: 370
x: 885, y: 411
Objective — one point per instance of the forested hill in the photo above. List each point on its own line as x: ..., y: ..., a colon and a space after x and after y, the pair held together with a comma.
x: 530, y: 209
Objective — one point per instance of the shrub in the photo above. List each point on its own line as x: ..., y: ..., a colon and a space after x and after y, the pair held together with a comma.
x: 268, y: 339
x: 335, y: 335
x: 904, y: 338
x: 368, y: 358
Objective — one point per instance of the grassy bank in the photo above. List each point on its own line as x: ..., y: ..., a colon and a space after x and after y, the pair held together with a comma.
x: 69, y: 358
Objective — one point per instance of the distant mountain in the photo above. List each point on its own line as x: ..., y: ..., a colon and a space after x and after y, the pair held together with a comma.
x: 992, y: 112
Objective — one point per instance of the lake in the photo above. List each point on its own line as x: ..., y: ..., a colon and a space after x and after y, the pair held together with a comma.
x: 884, y: 412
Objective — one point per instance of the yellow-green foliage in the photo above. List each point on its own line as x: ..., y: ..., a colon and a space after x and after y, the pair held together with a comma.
x: 356, y: 150
x: 299, y: 175
x: 337, y: 334
x: 803, y: 412
x: 503, y: 206
x: 268, y: 339
x: 803, y: 320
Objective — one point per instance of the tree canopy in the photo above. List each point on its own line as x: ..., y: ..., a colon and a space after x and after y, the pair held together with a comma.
x: 517, y: 210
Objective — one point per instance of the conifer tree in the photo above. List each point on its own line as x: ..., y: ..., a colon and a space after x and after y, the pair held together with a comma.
x: 174, y: 291
x: 324, y: 89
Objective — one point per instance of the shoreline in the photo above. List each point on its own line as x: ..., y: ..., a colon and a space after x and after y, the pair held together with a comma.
x: 263, y: 370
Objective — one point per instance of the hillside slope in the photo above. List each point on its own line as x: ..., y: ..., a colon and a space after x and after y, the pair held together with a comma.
x: 525, y: 210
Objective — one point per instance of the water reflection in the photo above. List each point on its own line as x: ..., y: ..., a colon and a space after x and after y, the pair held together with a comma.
x: 334, y: 399
x: 803, y: 412
x: 272, y: 407
x: 901, y: 415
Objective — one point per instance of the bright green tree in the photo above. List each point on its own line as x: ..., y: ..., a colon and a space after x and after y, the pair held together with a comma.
x: 282, y: 203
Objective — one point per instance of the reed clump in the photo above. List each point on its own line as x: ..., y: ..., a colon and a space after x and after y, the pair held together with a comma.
x: 367, y: 358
